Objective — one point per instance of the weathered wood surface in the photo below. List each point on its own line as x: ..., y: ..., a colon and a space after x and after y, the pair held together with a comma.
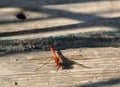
x: 99, y: 67
x: 57, y: 17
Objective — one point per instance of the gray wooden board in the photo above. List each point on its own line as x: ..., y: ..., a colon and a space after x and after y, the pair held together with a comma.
x: 98, y: 66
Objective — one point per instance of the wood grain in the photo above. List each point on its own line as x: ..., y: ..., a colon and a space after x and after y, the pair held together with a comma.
x: 19, y: 70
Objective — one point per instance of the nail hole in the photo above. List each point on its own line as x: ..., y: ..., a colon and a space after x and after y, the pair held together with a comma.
x: 21, y: 16
x: 16, y: 83
x: 16, y: 59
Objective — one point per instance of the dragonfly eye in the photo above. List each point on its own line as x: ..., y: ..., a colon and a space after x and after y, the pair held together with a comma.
x: 21, y: 16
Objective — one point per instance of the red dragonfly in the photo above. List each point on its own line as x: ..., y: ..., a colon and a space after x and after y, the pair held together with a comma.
x: 57, y: 60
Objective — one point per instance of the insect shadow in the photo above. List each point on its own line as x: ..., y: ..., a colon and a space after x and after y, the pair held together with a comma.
x: 67, y: 63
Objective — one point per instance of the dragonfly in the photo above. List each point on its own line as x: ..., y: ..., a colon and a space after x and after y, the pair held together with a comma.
x: 61, y: 61
x: 58, y: 60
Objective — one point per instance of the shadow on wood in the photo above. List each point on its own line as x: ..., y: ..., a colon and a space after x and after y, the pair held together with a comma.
x: 67, y: 63
x: 113, y: 81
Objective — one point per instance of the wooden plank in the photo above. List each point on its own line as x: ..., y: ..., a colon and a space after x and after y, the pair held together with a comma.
x: 81, y: 16
x: 19, y: 70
